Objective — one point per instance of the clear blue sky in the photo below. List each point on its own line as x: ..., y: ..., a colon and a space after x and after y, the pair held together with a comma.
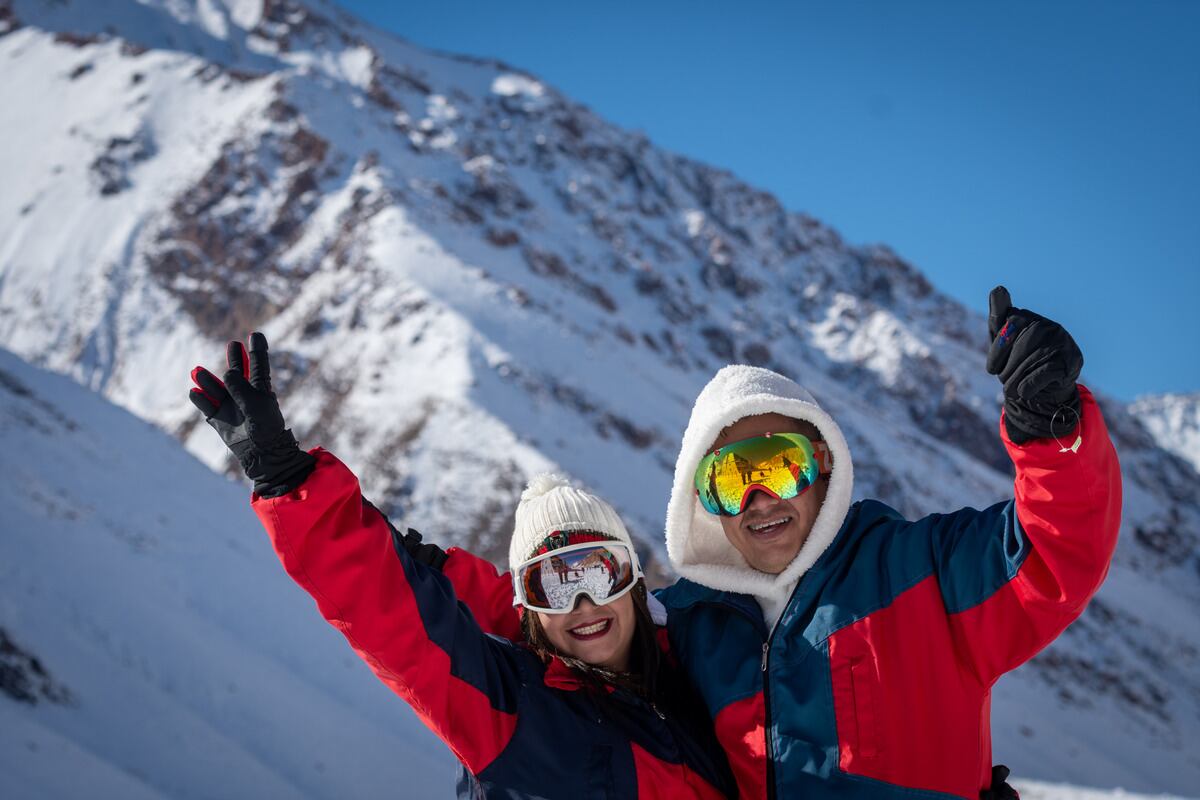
x: 1053, y: 147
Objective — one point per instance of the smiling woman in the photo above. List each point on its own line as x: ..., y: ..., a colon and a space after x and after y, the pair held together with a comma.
x: 577, y: 577
x: 587, y: 706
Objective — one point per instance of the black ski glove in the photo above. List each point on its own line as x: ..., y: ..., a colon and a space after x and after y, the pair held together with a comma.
x: 244, y: 412
x: 1038, y: 362
x: 1000, y: 790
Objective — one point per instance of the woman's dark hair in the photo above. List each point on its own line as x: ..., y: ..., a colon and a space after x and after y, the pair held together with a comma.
x: 645, y: 657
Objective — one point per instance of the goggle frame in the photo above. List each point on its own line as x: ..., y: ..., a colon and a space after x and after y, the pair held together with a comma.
x: 521, y: 600
x: 815, y: 449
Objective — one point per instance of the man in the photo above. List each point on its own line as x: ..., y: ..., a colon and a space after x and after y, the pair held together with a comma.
x: 844, y: 651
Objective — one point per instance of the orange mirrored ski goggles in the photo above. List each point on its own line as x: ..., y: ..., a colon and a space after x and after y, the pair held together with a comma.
x: 781, y: 464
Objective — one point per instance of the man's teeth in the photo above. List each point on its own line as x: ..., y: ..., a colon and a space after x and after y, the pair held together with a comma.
x: 764, y: 525
x: 588, y: 630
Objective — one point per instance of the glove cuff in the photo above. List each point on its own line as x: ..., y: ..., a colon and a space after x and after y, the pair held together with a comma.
x: 277, y: 466
x: 1024, y: 423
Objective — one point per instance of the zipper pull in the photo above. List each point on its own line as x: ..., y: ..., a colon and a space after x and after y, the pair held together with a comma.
x: 661, y: 715
x: 766, y: 646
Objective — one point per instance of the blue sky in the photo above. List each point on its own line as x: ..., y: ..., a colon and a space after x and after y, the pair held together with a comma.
x: 1052, y: 147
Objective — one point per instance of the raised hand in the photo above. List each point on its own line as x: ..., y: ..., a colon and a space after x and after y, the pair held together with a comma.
x: 1038, y: 363
x: 245, y: 414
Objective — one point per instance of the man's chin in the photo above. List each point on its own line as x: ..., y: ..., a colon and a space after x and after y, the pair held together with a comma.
x: 774, y: 554
x: 771, y: 560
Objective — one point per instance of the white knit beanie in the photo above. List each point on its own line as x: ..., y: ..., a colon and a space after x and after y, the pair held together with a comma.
x: 550, y: 503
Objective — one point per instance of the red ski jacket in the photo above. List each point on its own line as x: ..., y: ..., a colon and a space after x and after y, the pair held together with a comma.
x: 521, y: 728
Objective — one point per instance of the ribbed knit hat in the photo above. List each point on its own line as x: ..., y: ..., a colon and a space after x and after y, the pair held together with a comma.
x: 549, y: 504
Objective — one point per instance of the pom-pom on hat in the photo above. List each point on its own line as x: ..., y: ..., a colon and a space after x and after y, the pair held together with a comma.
x: 549, y: 505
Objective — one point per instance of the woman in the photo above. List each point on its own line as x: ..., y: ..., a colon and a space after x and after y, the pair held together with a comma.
x: 586, y: 706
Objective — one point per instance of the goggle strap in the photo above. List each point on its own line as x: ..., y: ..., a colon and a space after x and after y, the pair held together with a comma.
x: 751, y: 489
x: 561, y: 551
x: 824, y: 456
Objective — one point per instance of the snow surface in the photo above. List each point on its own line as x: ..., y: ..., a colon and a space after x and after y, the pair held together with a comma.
x: 144, y: 584
x: 1035, y: 790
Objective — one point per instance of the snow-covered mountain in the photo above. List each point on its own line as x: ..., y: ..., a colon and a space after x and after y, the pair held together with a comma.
x: 1174, y: 422
x: 467, y: 277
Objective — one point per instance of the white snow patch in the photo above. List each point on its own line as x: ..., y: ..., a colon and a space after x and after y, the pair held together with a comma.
x: 530, y: 94
x: 212, y: 17
x: 439, y: 109
x: 510, y: 85
x: 444, y: 140
x: 479, y: 165
x: 245, y: 13
x: 357, y: 66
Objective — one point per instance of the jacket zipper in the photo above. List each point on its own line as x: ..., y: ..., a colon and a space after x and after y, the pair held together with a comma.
x: 766, y: 652
x: 766, y: 649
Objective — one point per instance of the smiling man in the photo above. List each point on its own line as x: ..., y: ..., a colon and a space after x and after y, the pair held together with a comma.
x: 744, y: 462
x: 842, y: 650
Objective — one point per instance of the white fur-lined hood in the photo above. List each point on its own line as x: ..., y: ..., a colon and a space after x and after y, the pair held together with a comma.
x: 696, y: 543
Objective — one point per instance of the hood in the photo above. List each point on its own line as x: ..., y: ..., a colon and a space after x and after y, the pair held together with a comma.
x: 696, y: 543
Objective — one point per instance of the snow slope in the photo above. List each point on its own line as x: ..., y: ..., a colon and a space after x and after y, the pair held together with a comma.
x: 182, y: 661
x: 467, y: 277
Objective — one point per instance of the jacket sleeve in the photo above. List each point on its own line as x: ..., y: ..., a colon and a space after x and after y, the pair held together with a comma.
x: 401, y: 617
x: 483, y: 590
x: 486, y: 592
x: 1015, y: 575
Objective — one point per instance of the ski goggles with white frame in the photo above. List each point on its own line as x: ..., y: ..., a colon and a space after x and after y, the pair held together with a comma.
x: 783, y: 465
x: 550, y: 582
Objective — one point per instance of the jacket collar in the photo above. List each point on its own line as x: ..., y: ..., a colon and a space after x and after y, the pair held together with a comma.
x: 560, y: 676
x: 686, y: 593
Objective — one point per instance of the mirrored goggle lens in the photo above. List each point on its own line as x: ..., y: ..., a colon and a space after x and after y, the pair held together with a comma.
x: 783, y: 464
x: 602, y: 572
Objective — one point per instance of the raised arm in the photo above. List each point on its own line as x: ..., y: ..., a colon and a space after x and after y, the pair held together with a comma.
x: 479, y: 586
x: 401, y: 616
x: 1015, y: 575
x: 484, y: 590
